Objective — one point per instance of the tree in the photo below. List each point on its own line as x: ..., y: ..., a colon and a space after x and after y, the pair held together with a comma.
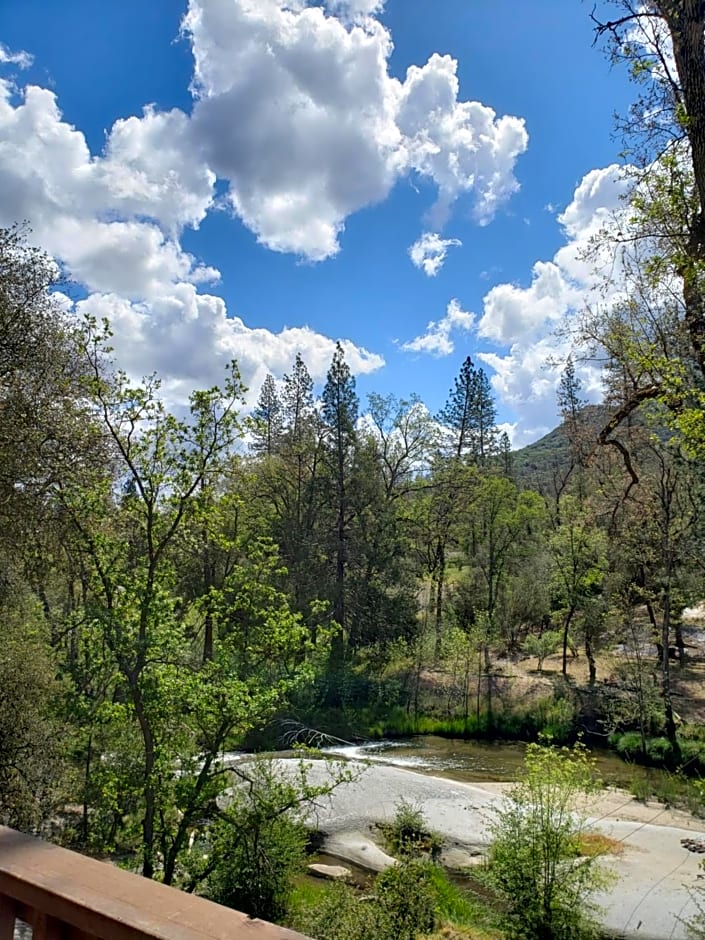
x: 288, y: 490
x: 258, y: 843
x: 458, y: 412
x: 267, y: 419
x: 470, y: 414
x: 578, y: 550
x: 662, y: 42
x: 129, y: 529
x: 47, y: 434
x: 536, y: 863
x: 34, y: 770
x: 339, y: 413
x: 502, y: 524
x: 483, y: 436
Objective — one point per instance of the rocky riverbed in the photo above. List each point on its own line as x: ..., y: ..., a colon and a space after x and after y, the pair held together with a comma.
x: 655, y: 873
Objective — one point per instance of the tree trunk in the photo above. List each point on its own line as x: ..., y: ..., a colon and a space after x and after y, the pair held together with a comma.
x: 440, y: 581
x: 566, y: 628
x: 669, y: 719
x: 148, y: 786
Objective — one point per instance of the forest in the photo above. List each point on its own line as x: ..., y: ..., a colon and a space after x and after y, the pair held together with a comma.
x: 181, y: 584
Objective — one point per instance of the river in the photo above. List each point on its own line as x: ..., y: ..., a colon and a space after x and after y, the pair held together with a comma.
x: 481, y: 761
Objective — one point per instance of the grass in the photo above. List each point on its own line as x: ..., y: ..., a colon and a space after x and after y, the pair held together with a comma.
x: 554, y: 718
x: 595, y: 844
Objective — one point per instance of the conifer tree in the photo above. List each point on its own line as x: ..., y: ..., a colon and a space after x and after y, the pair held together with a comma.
x: 267, y: 419
x: 340, y: 412
x: 457, y: 412
x: 470, y: 414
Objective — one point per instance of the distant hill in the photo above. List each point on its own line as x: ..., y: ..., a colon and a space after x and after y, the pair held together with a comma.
x: 536, y: 464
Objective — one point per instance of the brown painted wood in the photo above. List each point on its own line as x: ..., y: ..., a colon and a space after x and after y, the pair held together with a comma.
x: 47, y: 928
x: 7, y: 918
x: 110, y: 904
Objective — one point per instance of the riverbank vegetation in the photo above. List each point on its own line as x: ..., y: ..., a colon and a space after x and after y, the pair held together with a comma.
x: 178, y: 582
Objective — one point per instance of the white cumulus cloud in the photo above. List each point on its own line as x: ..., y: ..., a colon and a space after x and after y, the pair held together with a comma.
x: 525, y: 319
x: 437, y: 340
x: 297, y: 110
x: 113, y: 221
x: 429, y: 252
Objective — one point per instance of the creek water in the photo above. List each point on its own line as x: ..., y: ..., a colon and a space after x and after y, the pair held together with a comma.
x: 479, y: 761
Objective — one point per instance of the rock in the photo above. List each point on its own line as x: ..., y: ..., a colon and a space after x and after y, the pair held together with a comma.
x: 359, y: 849
x: 457, y: 859
x: 330, y: 872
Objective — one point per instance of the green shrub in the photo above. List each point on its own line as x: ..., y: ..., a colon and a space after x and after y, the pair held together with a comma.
x: 628, y: 744
x: 659, y: 750
x: 340, y: 914
x: 407, y: 900
x: 542, y: 646
x: 402, y: 907
x: 259, y: 843
x: 408, y: 834
x: 535, y: 863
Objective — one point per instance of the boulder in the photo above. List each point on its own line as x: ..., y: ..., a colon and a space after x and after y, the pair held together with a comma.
x: 330, y: 872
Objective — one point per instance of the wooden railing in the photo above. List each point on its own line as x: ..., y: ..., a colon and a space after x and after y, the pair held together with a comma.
x: 66, y: 896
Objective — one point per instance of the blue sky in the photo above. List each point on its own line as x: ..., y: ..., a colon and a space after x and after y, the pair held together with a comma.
x: 247, y: 178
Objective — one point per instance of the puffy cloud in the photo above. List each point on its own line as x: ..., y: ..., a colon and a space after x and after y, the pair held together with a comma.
x: 113, y: 220
x: 295, y: 109
x: 188, y: 339
x: 460, y: 145
x: 47, y: 171
x: 526, y: 319
x: 355, y: 8
x: 429, y: 252
x: 437, y: 341
x: 298, y: 111
x: 512, y: 313
x: 21, y: 58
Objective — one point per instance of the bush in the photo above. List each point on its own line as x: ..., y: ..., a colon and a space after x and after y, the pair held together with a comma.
x: 535, y: 860
x: 659, y: 750
x: 402, y: 907
x: 407, y: 900
x: 259, y: 843
x: 339, y: 914
x: 628, y: 745
x: 408, y: 834
x: 542, y: 646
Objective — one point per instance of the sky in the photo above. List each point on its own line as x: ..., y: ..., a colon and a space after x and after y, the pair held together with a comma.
x: 250, y: 179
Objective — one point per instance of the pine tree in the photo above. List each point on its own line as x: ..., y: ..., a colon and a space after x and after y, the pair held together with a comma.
x: 457, y: 414
x: 504, y: 448
x: 340, y: 411
x: 297, y: 403
x: 569, y: 388
x: 267, y: 419
x: 470, y: 414
x: 483, y: 433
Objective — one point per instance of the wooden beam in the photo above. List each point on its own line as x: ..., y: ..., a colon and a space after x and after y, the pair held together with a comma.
x: 107, y: 903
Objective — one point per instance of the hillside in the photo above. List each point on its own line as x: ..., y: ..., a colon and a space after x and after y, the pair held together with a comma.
x: 536, y: 464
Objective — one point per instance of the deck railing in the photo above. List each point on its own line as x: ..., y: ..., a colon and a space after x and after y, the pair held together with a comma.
x: 66, y: 896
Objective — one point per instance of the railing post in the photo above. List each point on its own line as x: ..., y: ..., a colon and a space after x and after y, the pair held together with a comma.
x: 7, y: 918
x: 46, y: 928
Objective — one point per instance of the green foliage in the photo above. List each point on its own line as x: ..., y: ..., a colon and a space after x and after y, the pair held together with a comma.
x: 408, y: 834
x: 402, y: 907
x: 34, y: 774
x: 542, y: 645
x: 258, y: 843
x: 535, y: 864
x: 407, y: 901
x: 339, y: 914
